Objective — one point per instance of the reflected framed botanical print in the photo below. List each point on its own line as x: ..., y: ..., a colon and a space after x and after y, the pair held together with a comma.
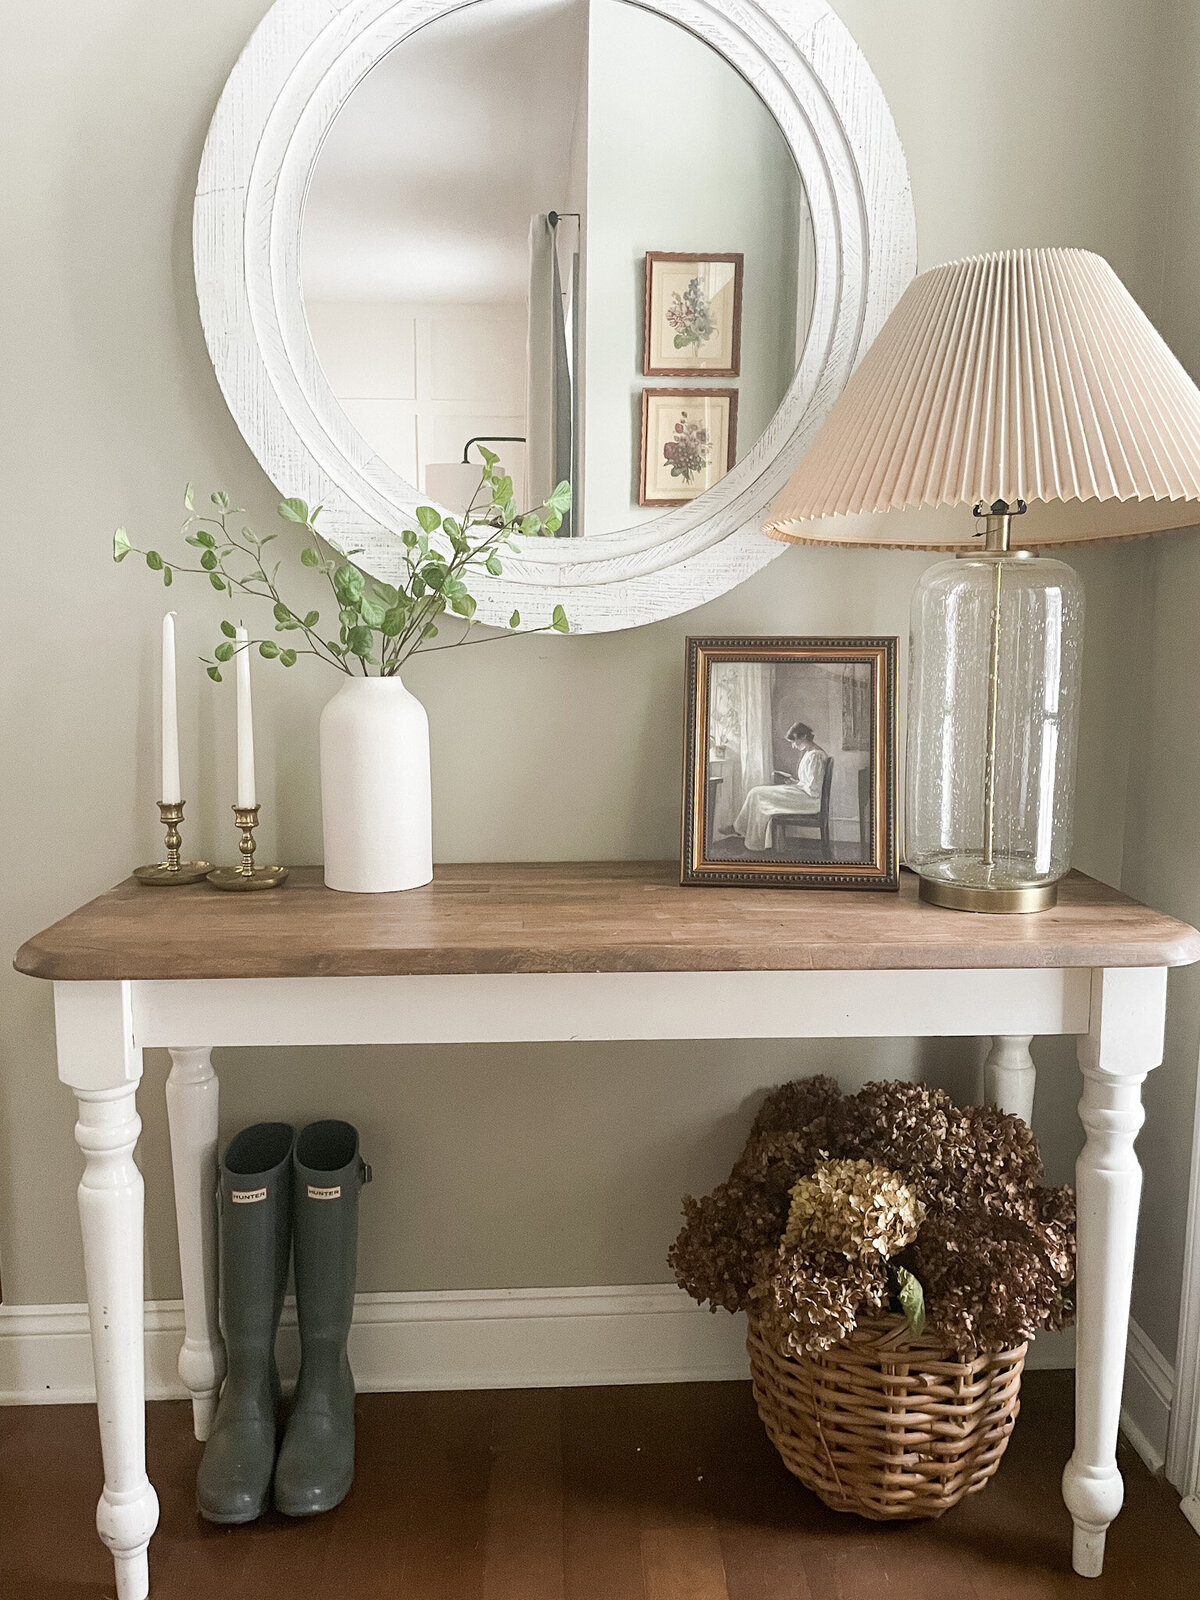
x: 790, y: 763
x: 689, y: 442
x: 693, y: 320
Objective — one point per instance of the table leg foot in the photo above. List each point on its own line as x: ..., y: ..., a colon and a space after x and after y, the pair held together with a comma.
x: 125, y: 1527
x: 192, y: 1107
x: 1094, y: 1497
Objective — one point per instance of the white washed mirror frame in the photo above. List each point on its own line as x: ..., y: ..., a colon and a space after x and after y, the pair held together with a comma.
x: 304, y: 60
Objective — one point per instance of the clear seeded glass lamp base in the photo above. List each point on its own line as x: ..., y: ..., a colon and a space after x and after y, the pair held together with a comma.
x: 993, y: 711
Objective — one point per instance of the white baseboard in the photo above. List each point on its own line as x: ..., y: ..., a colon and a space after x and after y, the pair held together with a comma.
x: 468, y: 1339
x: 1148, y: 1397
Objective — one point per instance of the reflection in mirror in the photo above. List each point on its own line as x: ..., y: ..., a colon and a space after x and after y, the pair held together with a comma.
x: 475, y: 246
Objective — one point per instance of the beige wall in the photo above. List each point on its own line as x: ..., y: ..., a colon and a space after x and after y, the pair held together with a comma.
x: 1024, y: 124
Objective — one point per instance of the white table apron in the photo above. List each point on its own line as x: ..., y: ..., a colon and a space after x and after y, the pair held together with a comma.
x: 103, y: 1027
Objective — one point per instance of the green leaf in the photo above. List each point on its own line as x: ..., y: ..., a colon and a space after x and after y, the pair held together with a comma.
x: 268, y: 648
x: 287, y: 658
x: 209, y: 560
x: 434, y: 574
x: 205, y: 538
x: 531, y: 525
x: 429, y: 631
x: 221, y: 500
x: 489, y: 456
x: 560, y: 497
x: 558, y: 621
x: 154, y: 561
x: 359, y: 641
x: 214, y: 673
x: 335, y: 648
x: 224, y: 651
x: 494, y: 565
x: 409, y: 537
x: 372, y: 611
x: 168, y: 577
x: 311, y: 619
x: 280, y: 612
x: 293, y: 511
x: 418, y: 588
x: 553, y: 522
x: 428, y: 518
x: 228, y: 629
x: 912, y: 1300
x: 393, y: 622
x: 515, y: 620
x: 310, y: 558
x: 121, y: 545
x: 453, y: 527
x: 502, y: 492
x: 464, y: 605
x: 189, y: 498
x: 349, y: 584
x: 216, y: 580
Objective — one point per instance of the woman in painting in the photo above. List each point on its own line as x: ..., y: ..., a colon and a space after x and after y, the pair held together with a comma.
x: 798, y: 796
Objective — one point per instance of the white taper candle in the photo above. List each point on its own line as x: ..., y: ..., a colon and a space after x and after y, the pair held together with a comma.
x: 245, y: 722
x: 169, y: 790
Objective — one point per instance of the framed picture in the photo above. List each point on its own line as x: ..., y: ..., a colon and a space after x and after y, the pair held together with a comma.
x: 689, y: 439
x: 693, y: 315
x: 790, y: 763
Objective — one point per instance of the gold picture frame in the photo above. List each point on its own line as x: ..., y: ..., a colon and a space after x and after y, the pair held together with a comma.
x: 693, y: 314
x: 777, y: 789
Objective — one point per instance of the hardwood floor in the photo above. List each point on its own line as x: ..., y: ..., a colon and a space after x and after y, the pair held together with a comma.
x: 643, y: 1493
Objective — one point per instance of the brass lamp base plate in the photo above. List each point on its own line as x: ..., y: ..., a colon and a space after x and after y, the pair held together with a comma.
x: 234, y: 878
x: 971, y: 897
x: 162, y: 876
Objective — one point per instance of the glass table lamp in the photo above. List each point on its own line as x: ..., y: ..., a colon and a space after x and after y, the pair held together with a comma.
x: 1025, y: 376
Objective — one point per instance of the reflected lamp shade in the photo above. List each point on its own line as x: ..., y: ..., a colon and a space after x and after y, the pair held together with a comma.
x: 1023, y: 378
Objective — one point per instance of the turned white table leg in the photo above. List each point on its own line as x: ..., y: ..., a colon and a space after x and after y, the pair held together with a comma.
x: 97, y: 1058
x: 1124, y: 1042
x: 192, y: 1093
x: 1010, y: 1076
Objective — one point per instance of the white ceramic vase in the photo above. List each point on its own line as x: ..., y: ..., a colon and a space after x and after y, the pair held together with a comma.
x: 375, y: 799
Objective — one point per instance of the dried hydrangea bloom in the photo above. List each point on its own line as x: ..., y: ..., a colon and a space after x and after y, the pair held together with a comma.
x: 808, y: 1301
x: 995, y: 1252
x: 856, y: 1207
x: 724, y: 1236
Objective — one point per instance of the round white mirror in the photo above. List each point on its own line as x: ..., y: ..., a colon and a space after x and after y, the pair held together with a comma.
x: 636, y: 248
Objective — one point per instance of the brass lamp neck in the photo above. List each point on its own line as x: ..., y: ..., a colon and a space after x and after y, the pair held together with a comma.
x: 997, y: 524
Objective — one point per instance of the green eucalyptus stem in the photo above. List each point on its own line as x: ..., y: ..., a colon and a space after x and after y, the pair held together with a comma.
x: 379, y: 625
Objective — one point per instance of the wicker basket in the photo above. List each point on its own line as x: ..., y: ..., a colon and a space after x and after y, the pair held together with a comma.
x: 885, y: 1424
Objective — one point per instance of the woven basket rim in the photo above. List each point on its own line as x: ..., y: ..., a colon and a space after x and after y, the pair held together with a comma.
x: 888, y: 1331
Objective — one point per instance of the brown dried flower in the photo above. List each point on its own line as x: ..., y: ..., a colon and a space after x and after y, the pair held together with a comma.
x: 807, y: 1301
x: 857, y: 1207
x: 994, y: 1250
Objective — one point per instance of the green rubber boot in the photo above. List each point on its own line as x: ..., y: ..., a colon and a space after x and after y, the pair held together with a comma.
x: 234, y: 1481
x: 316, y: 1460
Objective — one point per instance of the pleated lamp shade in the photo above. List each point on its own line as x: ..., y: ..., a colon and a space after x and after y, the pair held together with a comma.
x: 1025, y: 375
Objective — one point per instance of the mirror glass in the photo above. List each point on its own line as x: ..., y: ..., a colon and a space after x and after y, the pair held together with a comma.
x: 569, y: 230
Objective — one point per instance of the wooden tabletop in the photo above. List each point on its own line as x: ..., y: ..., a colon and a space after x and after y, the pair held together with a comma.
x: 615, y: 916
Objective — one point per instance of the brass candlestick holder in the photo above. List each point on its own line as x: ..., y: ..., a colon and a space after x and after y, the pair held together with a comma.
x: 164, y: 874
x: 247, y: 876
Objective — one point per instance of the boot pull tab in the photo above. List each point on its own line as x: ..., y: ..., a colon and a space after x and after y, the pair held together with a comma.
x: 364, y: 1174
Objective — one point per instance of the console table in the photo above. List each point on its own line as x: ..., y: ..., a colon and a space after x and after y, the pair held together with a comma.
x: 561, y: 952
